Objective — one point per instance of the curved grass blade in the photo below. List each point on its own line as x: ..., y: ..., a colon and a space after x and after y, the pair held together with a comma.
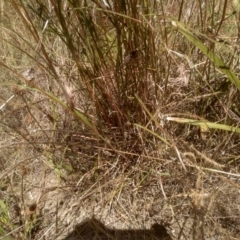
x: 210, y: 54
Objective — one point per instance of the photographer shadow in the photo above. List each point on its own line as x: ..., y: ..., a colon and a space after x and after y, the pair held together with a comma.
x: 94, y: 229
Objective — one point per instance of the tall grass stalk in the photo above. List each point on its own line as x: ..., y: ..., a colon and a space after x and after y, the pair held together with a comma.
x: 93, y: 91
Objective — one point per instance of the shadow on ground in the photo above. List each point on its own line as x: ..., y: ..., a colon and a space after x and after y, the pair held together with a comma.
x: 93, y: 229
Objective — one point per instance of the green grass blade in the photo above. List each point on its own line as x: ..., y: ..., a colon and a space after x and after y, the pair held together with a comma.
x: 153, y: 133
x: 204, y: 124
x: 210, y: 54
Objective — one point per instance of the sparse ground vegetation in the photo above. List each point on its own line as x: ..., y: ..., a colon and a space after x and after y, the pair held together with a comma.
x: 123, y: 112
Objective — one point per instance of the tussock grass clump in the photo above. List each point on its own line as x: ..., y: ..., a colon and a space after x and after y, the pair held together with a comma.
x: 119, y: 110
